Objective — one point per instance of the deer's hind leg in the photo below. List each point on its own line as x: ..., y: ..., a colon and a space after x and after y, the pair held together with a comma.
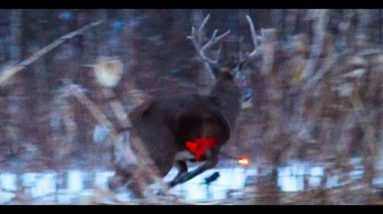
x: 210, y: 163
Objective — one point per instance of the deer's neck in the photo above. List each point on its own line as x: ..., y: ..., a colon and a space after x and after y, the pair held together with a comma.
x: 228, y: 96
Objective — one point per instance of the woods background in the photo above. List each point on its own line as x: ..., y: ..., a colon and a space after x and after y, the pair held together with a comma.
x: 317, y: 89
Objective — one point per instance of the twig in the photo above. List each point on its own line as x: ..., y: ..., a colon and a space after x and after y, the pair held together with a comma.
x: 117, y: 109
x: 83, y: 99
x: 7, y: 190
x: 311, y: 83
x: 7, y: 74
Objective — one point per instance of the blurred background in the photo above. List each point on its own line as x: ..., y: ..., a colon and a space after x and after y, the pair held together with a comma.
x: 311, y: 125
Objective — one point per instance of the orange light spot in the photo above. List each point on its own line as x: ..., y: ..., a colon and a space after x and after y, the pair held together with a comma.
x: 243, y: 161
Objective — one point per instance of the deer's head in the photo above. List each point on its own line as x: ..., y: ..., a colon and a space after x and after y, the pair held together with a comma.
x: 228, y: 77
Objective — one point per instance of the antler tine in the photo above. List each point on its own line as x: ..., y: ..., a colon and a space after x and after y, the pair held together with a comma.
x: 255, y: 38
x: 197, y: 37
x: 193, y: 37
x: 202, y: 27
x: 214, y: 39
x: 252, y: 30
x: 197, y: 45
x: 219, y: 51
x: 192, y: 33
x: 214, y: 34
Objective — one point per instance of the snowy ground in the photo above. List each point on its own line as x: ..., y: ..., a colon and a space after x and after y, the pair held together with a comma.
x: 69, y: 186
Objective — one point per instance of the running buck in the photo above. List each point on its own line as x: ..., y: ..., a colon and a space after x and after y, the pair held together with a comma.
x: 165, y: 124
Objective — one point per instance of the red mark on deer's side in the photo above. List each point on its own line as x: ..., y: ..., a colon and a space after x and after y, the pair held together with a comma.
x: 199, y: 146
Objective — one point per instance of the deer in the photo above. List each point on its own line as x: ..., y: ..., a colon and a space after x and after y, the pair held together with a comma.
x: 165, y: 124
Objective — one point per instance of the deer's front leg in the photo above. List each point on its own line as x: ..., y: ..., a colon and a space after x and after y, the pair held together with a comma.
x: 210, y: 163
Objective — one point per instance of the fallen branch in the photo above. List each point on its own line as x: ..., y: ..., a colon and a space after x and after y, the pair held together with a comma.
x: 8, y: 73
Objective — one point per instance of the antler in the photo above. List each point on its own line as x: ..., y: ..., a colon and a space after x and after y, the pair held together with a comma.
x: 256, y: 42
x: 197, y: 37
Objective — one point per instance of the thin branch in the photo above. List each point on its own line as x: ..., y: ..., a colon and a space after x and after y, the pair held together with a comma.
x: 311, y: 83
x: 7, y: 74
x: 318, y: 44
